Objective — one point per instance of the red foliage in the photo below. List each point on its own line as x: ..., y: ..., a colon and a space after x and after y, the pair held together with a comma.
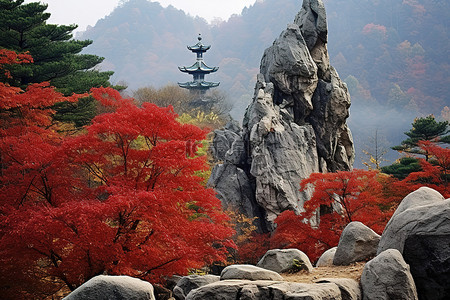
x: 122, y: 198
x: 339, y: 198
x: 251, y: 251
x: 8, y: 57
x: 435, y: 172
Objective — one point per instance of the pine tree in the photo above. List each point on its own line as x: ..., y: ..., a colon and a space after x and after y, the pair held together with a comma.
x: 424, y: 129
x: 403, y: 167
x: 56, y: 56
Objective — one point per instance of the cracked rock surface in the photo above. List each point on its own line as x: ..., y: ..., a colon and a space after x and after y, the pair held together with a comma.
x: 295, y: 125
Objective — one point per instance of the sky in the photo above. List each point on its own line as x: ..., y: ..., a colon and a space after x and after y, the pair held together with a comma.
x: 86, y: 12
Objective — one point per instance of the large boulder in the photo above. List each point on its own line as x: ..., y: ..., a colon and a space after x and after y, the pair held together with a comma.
x: 357, y: 243
x: 350, y: 289
x: 430, y: 219
x: 248, y: 272
x: 267, y: 290
x: 387, y: 276
x: 104, y: 287
x: 420, y: 197
x: 422, y: 234
x: 326, y: 259
x: 429, y: 259
x: 282, y: 260
x: 189, y: 283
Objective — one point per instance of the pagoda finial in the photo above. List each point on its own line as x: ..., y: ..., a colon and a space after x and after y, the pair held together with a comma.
x: 199, y: 37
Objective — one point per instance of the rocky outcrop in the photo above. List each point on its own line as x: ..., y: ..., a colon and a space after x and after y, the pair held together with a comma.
x: 104, y: 287
x: 387, y: 276
x: 248, y: 272
x: 189, y: 283
x: 270, y: 290
x: 282, y: 260
x: 420, y: 230
x: 295, y: 125
x: 357, y: 243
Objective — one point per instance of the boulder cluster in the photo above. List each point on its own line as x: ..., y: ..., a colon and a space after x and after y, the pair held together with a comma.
x: 410, y: 260
x: 295, y: 125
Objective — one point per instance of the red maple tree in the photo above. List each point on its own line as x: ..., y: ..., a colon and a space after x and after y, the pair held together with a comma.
x: 124, y: 197
x: 338, y: 199
x: 435, y: 172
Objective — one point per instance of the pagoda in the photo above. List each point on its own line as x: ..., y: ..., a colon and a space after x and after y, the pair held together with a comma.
x: 198, y: 70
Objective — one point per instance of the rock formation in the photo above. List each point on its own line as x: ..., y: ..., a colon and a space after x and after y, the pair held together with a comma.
x: 357, y: 243
x: 295, y: 125
x: 420, y: 231
x: 282, y: 260
x: 387, y: 276
x: 350, y: 289
x: 264, y: 289
x: 249, y: 272
x: 192, y: 282
x: 113, y: 288
x: 326, y: 259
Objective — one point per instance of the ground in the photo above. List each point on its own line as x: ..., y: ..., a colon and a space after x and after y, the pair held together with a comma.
x: 352, y: 271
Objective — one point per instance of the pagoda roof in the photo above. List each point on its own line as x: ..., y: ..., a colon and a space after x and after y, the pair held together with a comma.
x: 198, y: 84
x: 199, y: 47
x: 198, y: 67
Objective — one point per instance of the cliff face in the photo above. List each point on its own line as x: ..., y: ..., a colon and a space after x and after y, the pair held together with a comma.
x: 295, y: 125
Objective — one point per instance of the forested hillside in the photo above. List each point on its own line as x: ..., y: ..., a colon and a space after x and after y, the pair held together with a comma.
x: 393, y: 54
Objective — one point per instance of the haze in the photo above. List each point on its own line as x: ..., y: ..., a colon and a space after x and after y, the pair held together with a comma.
x: 86, y: 12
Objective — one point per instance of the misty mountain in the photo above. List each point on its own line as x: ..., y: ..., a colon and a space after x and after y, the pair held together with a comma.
x: 393, y: 54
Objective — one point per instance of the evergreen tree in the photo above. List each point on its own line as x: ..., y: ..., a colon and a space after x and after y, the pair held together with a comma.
x: 403, y: 168
x: 424, y: 129
x: 56, y: 56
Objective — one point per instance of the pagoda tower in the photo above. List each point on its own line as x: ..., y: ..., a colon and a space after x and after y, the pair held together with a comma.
x: 198, y: 70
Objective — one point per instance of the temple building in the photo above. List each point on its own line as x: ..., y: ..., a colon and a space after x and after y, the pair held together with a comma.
x: 198, y: 70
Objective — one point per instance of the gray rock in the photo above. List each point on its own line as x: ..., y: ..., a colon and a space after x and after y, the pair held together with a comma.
x: 222, y: 142
x: 282, y: 154
x: 289, y: 66
x: 422, y: 235
x: 282, y: 260
x: 433, y: 219
x: 350, y: 289
x: 331, y: 103
x: 267, y: 290
x: 104, y: 287
x: 233, y: 188
x: 387, y: 276
x: 248, y: 272
x: 296, y: 122
x: 429, y: 260
x: 357, y: 243
x: 189, y: 283
x: 326, y: 259
x: 312, y: 19
x: 421, y: 197
x: 233, y: 125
